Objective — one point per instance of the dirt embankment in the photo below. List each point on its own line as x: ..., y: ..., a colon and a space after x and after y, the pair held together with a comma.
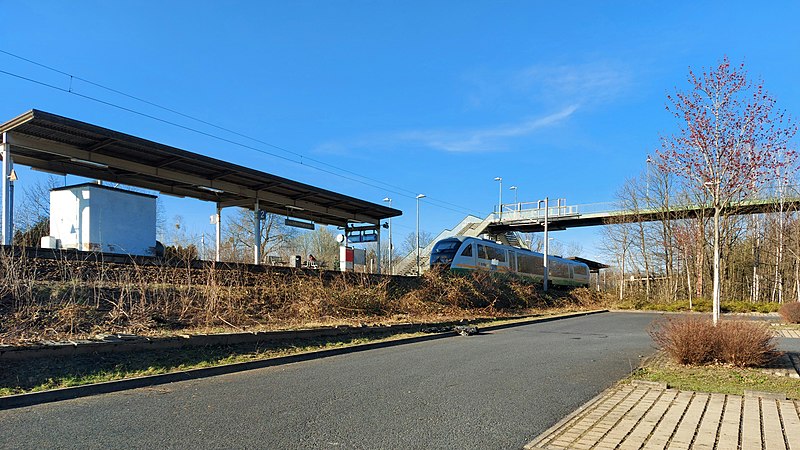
x: 60, y: 299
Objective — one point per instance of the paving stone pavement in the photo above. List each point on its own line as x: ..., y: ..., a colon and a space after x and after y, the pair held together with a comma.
x: 788, y: 333
x: 651, y: 417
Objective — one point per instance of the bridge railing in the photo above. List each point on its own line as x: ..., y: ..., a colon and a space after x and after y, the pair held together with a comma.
x: 531, y: 211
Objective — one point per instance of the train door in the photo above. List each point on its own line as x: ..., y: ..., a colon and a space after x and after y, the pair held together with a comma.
x: 466, y: 258
x: 484, y: 261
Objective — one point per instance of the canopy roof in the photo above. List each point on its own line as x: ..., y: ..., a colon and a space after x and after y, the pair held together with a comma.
x: 594, y: 266
x: 57, y: 144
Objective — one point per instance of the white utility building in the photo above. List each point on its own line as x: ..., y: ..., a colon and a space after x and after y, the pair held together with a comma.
x: 93, y: 217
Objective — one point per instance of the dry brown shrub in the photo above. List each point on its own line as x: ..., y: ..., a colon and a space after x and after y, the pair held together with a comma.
x: 790, y: 312
x: 588, y: 297
x: 696, y: 341
x: 688, y: 340
x: 68, y: 298
x: 745, y: 344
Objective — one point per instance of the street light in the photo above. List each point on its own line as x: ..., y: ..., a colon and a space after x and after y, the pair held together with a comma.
x: 647, y: 192
x: 419, y: 270
x: 500, y: 205
x: 391, y: 253
x: 546, y: 202
x: 514, y: 188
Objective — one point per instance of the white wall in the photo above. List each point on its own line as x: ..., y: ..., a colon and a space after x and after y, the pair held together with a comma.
x: 94, y: 217
x: 64, y: 224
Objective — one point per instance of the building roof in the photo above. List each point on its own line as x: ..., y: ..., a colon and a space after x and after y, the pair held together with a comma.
x: 100, y: 186
x: 57, y: 144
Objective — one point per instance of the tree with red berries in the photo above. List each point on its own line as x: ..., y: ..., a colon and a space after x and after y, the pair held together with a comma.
x: 732, y: 140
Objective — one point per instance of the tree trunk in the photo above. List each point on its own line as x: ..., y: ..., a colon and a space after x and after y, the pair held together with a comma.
x: 689, y: 283
x: 715, y: 292
x: 756, y: 286
x: 701, y: 259
x: 778, y: 286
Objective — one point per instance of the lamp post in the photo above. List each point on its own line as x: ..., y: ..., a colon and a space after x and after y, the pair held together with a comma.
x: 391, y: 252
x: 500, y: 205
x: 546, y: 202
x: 419, y: 270
x: 514, y: 188
x: 647, y: 184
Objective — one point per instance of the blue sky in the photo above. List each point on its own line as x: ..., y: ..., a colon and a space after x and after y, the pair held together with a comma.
x: 562, y: 99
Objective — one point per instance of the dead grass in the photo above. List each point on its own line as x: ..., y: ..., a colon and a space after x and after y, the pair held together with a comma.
x: 58, y: 300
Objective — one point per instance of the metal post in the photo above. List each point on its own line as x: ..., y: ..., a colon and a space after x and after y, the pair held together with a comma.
x: 419, y: 269
x: 546, y: 239
x: 391, y: 250
x: 647, y: 188
x: 257, y: 234
x: 500, y: 205
x: 218, y: 232
x: 5, y: 173
x: 378, y: 251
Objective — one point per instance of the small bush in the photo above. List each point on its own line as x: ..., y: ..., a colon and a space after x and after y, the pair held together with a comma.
x: 744, y: 344
x: 696, y: 341
x: 790, y: 312
x: 687, y: 340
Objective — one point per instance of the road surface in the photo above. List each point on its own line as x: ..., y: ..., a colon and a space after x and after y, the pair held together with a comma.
x: 493, y: 390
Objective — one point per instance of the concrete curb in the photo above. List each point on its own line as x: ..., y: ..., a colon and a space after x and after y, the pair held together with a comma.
x: 34, y: 398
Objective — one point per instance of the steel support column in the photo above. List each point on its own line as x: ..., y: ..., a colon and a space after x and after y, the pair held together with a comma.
x: 257, y: 234
x: 7, y: 200
x: 378, y: 250
x: 218, y: 232
x: 546, y: 240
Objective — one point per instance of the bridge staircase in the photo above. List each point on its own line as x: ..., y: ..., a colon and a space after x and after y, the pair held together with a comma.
x: 470, y: 226
x: 407, y: 264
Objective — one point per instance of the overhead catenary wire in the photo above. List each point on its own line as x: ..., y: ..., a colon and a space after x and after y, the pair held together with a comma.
x: 397, y: 190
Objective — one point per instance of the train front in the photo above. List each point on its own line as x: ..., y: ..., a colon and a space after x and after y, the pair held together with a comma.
x: 444, y: 252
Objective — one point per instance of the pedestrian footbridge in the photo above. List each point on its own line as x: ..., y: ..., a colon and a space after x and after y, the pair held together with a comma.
x: 518, y: 218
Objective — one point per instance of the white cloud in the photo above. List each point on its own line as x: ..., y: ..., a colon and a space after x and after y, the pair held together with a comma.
x: 483, y: 139
x: 584, y: 84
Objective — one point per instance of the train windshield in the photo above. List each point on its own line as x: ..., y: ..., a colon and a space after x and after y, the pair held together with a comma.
x: 444, y: 251
x: 445, y: 246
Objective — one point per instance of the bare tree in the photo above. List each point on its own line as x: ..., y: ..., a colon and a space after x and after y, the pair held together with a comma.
x: 409, y: 243
x: 731, y: 140
x: 32, y: 216
x: 239, y: 234
x: 321, y: 243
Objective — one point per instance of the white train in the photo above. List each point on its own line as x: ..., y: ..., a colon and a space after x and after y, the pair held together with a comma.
x: 465, y: 254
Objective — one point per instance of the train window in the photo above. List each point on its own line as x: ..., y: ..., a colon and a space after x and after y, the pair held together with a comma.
x: 446, y: 245
x: 558, y: 269
x: 496, y: 253
x: 525, y: 263
x: 482, y: 254
x: 467, y: 250
x: 538, y: 265
x: 581, y: 270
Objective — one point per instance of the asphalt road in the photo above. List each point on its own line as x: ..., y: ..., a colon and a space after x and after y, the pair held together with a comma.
x: 494, y: 390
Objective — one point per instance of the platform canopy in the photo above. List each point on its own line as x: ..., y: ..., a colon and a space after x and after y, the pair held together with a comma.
x: 61, y: 145
x: 594, y: 266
